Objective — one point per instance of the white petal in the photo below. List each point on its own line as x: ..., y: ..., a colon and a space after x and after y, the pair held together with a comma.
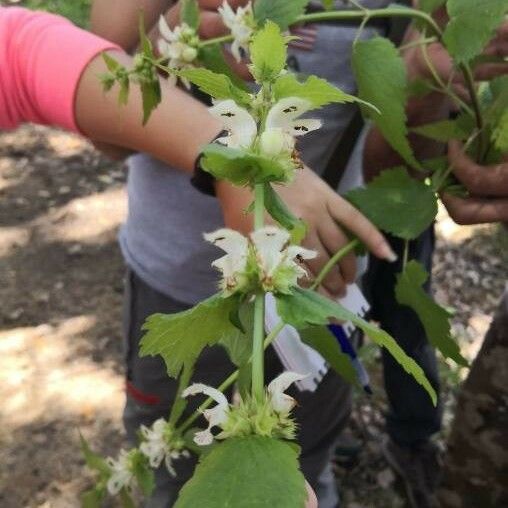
x: 235, y: 50
x: 165, y: 31
x: 295, y: 251
x: 283, y: 113
x: 281, y: 402
x: 270, y: 242
x: 209, y: 391
x: 275, y: 141
x: 304, y: 126
x: 203, y: 438
x: 238, y: 121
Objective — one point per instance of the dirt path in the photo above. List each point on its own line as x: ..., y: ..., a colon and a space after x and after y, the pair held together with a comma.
x: 60, y: 337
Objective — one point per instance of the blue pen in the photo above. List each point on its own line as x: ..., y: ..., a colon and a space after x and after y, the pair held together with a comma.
x: 348, y: 349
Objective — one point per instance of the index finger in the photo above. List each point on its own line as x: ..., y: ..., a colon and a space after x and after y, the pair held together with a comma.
x: 345, y: 213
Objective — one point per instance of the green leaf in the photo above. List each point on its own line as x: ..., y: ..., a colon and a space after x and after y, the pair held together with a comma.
x: 240, y: 167
x: 282, y: 214
x: 212, y: 58
x: 151, y: 94
x: 239, y: 343
x: 268, y: 53
x: 111, y: 63
x: 179, y: 338
x: 320, y: 339
x: 94, y: 461
x: 498, y: 101
x: 123, y: 95
x: 219, y: 86
x: 381, y: 76
x: 328, y: 4
x: 305, y: 308
x: 500, y: 133
x: 315, y: 90
x: 397, y: 203
x: 434, y: 318
x: 282, y: 12
x: 443, y: 131
x: 143, y: 473
x: 250, y: 472
x: 92, y: 498
x: 472, y: 24
x: 189, y: 13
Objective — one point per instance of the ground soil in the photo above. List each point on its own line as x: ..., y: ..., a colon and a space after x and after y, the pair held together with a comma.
x: 60, y: 335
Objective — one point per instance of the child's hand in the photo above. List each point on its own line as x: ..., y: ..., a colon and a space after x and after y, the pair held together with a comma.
x: 324, y: 211
x: 487, y: 185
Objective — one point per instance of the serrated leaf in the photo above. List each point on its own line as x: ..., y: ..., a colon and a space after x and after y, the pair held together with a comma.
x: 381, y: 76
x: 281, y: 12
x: 189, y: 13
x: 315, y: 90
x: 282, y: 214
x: 305, y: 308
x: 397, y: 203
x: 179, y: 338
x: 250, y: 472
x: 472, y: 24
x: 212, y: 58
x: 320, y: 339
x: 94, y: 461
x: 435, y: 319
x: 443, y: 131
x: 151, y: 95
x: 268, y: 53
x: 240, y: 167
x: 219, y: 86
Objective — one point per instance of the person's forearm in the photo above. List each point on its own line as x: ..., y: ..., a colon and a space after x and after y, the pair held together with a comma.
x: 378, y: 153
x: 176, y: 132
x: 118, y: 20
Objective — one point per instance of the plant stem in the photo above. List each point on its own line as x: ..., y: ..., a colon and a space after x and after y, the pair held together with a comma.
x: 405, y: 257
x: 229, y: 381
x: 216, y: 40
x: 393, y: 12
x: 333, y: 261
x: 179, y: 405
x: 258, y: 375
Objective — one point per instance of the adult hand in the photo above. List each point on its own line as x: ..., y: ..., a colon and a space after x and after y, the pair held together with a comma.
x: 487, y: 185
x: 311, y: 497
x: 324, y: 211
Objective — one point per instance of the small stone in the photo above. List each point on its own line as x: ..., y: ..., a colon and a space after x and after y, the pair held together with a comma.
x: 65, y: 189
x: 43, y: 193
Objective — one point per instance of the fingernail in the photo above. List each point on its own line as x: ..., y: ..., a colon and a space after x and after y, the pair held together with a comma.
x: 388, y: 254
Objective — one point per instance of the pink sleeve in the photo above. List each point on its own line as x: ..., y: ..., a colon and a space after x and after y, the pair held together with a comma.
x: 42, y: 57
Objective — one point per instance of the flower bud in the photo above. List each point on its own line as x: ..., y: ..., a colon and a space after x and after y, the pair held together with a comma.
x: 189, y: 54
x: 272, y: 142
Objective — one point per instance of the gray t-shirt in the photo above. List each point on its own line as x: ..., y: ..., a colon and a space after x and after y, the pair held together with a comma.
x: 162, y: 239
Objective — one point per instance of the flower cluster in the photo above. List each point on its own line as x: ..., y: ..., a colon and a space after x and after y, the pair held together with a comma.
x: 241, y: 24
x: 265, y: 260
x: 122, y: 471
x: 160, y: 443
x: 269, y: 417
x: 180, y: 46
x: 281, y: 127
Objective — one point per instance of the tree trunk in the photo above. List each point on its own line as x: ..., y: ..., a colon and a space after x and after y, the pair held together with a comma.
x: 476, y: 465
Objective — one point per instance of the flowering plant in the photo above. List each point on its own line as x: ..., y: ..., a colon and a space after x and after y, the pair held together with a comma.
x: 244, y: 439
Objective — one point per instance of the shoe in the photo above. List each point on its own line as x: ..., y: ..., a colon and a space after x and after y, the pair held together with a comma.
x: 419, y: 467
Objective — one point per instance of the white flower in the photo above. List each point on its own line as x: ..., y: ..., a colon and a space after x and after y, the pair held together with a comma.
x: 282, y: 403
x: 239, y: 123
x: 179, y: 46
x: 216, y: 415
x: 277, y: 259
x: 283, y: 125
x: 121, y: 474
x: 234, y: 263
x: 241, y: 24
x: 157, y: 448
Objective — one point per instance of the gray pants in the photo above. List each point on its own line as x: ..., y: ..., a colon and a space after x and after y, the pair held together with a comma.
x: 320, y: 415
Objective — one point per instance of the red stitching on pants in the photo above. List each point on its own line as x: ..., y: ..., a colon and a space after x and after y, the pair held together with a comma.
x: 144, y: 398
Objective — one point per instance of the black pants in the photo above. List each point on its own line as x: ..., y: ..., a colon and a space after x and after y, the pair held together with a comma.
x: 320, y: 415
x: 412, y: 417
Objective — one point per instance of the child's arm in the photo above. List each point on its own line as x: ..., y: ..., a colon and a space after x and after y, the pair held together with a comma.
x: 50, y: 75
